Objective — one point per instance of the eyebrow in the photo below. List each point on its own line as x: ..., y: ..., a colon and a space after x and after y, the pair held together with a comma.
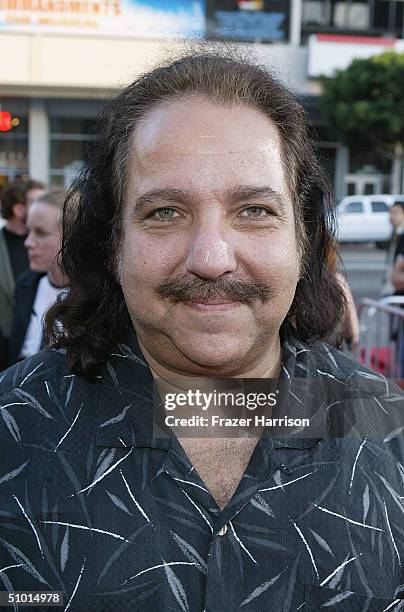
x: 246, y: 192
x: 161, y: 195
x: 239, y: 194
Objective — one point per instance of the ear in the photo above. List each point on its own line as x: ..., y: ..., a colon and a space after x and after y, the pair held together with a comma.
x: 20, y: 211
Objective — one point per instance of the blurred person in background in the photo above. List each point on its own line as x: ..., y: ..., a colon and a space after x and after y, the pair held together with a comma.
x: 13, y: 256
x: 2, y: 221
x: 396, y: 274
x: 33, y: 189
x: 40, y: 286
x: 346, y: 333
x: 396, y: 214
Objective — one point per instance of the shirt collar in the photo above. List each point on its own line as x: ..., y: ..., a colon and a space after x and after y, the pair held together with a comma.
x: 126, y: 400
x: 304, y: 392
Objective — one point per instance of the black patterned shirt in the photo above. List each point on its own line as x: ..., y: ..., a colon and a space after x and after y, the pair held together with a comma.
x: 94, y: 506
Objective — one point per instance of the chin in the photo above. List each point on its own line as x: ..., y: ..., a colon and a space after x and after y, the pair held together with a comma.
x: 36, y: 267
x: 219, y: 352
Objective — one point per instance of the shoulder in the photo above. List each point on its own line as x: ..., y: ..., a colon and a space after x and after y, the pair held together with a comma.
x: 336, y: 362
x: 3, y: 243
x: 38, y: 394
x: 399, y: 250
x: 48, y: 364
x: 332, y: 363
x: 319, y: 357
x: 368, y: 404
x: 28, y: 279
x: 321, y: 361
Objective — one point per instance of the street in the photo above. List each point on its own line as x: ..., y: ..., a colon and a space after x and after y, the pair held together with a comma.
x: 363, y: 267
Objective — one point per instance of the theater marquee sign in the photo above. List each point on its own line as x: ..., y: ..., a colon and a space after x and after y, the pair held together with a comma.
x: 248, y: 20
x: 150, y: 18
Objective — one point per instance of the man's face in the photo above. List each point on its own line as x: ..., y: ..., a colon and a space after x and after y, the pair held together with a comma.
x: 208, y: 262
x: 396, y: 216
x: 43, y: 240
x: 32, y: 195
x: 20, y: 212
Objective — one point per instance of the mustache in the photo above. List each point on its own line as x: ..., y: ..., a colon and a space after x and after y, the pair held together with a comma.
x: 196, y: 289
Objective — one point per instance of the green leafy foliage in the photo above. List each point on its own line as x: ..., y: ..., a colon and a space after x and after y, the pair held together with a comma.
x: 363, y: 105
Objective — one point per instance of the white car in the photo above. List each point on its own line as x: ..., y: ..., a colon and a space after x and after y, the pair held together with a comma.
x: 365, y: 218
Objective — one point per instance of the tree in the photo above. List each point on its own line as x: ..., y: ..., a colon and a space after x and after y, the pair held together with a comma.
x: 363, y: 106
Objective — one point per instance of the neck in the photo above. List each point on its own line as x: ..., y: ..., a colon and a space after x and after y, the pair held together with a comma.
x: 15, y: 226
x: 57, y: 278
x: 268, y: 365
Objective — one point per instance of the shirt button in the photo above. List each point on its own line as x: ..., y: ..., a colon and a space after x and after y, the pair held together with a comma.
x: 222, y: 531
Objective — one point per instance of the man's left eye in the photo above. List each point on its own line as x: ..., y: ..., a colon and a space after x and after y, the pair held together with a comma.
x: 164, y: 214
x: 255, y: 212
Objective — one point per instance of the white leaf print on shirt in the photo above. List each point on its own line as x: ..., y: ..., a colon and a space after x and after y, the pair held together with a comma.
x: 33, y: 402
x: 322, y: 542
x: 260, y: 589
x: 191, y: 553
x: 177, y: 588
x: 11, y: 424
x: 366, y: 502
x: 64, y: 550
x: 13, y: 473
x: 18, y: 555
x: 118, y: 502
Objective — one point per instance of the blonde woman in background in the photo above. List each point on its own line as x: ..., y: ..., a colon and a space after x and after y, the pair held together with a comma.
x: 347, y: 332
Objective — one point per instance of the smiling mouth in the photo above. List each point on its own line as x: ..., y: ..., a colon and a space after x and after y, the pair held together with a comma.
x: 214, y: 302
x: 217, y: 305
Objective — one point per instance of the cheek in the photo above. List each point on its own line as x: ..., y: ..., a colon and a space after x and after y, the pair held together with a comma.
x: 146, y: 261
x: 274, y: 257
x: 51, y: 249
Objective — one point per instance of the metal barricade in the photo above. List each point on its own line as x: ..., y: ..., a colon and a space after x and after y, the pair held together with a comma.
x: 381, y: 343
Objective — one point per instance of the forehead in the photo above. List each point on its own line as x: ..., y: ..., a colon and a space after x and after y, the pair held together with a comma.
x: 198, y: 144
x: 35, y: 192
x: 41, y: 214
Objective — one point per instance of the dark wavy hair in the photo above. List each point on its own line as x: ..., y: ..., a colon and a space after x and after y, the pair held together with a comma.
x: 93, y: 319
x: 13, y: 193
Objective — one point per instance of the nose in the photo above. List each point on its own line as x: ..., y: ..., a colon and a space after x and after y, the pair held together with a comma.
x: 28, y: 243
x: 211, y: 254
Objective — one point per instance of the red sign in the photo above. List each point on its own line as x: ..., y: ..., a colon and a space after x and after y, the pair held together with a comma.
x: 5, y: 121
x: 251, y: 5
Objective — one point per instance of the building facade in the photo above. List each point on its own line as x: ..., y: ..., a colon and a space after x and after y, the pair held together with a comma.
x: 67, y: 57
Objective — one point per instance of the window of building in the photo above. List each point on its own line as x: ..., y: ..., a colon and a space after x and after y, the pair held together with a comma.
x: 345, y: 14
x: 369, y: 188
x: 69, y: 139
x: 374, y: 17
x: 13, y: 145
